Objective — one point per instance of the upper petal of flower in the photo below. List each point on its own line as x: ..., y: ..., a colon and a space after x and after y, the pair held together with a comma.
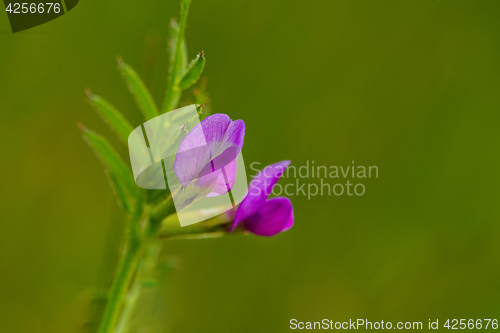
x: 275, y: 216
x: 259, y: 190
x: 199, y: 149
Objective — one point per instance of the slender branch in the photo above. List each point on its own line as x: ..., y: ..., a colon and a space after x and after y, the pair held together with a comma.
x: 170, y: 95
x: 129, y: 306
x: 125, y: 270
x: 214, y: 227
x: 157, y: 214
x: 146, y: 266
x: 205, y: 235
x: 119, y: 289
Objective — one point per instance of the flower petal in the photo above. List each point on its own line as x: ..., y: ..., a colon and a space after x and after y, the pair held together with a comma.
x: 259, y: 190
x: 275, y: 216
x: 235, y: 135
x: 226, y: 177
x: 215, y: 136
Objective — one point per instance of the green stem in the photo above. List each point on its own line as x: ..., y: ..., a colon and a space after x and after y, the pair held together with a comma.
x: 213, y: 234
x: 214, y: 227
x: 129, y: 306
x: 119, y: 289
x: 157, y: 214
x: 170, y: 96
x: 125, y: 271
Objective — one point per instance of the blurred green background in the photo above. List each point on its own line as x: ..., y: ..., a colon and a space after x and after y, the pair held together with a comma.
x: 409, y: 86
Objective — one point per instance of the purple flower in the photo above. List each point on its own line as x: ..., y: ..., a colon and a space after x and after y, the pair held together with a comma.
x: 261, y: 216
x: 207, y: 154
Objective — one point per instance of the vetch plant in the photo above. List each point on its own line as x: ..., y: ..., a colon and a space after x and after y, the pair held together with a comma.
x: 203, y: 171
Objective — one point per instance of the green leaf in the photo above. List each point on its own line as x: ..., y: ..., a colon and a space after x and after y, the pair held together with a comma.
x: 139, y: 91
x: 172, y: 95
x: 120, y: 191
x: 111, y: 116
x: 119, y: 173
x: 193, y: 72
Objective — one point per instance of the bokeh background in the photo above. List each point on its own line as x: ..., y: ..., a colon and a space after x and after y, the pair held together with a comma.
x: 409, y: 86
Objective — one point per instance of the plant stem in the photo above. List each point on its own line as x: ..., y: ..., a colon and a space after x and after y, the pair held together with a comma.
x: 162, y: 223
x: 214, y: 227
x: 170, y: 95
x: 129, y: 306
x: 125, y: 270
x: 119, y: 289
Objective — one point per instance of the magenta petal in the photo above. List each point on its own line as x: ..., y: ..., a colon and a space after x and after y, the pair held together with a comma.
x: 259, y: 190
x: 198, y: 151
x: 275, y: 216
x: 235, y: 135
x: 214, y: 128
x: 223, y: 161
x: 226, y: 177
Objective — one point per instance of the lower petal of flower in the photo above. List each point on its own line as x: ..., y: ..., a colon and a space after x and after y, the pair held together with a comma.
x: 259, y: 190
x: 275, y: 216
